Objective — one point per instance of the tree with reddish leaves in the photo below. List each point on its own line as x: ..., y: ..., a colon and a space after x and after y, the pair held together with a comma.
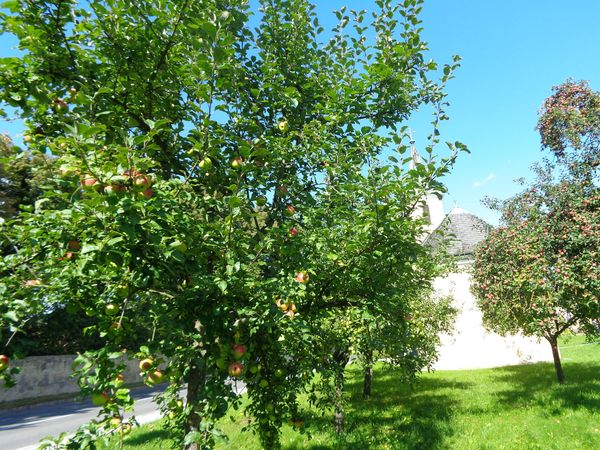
x: 539, y: 272
x: 569, y: 123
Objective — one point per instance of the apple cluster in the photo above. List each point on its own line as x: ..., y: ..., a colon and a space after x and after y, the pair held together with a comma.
x: 131, y: 180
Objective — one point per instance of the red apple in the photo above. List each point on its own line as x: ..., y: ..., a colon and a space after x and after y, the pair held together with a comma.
x: 141, y: 181
x: 74, y: 245
x: 302, y: 277
x: 294, y: 231
x: 236, y: 369
x: 60, y: 105
x: 145, y: 364
x: 130, y: 173
x: 113, y: 188
x: 32, y: 283
x: 88, y: 182
x: 239, y: 350
x: 26, y: 138
x: 298, y: 423
x: 290, y: 211
x: 4, y: 360
x: 147, y: 193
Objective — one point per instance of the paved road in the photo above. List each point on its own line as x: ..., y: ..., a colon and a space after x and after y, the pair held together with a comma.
x: 23, y: 428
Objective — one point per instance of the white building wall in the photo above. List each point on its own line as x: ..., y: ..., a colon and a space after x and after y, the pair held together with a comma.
x: 471, y: 346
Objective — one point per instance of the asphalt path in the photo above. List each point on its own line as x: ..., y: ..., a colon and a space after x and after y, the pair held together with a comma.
x: 23, y: 428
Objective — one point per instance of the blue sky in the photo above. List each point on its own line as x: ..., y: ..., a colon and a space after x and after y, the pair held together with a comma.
x: 513, y: 52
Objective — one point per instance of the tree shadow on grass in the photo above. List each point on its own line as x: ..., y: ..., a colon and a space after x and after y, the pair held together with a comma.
x: 536, y: 385
x: 395, y: 417
x: 151, y: 436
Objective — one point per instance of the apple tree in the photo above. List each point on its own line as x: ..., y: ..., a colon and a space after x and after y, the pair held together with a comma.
x: 220, y: 191
x: 539, y: 272
x: 377, y: 303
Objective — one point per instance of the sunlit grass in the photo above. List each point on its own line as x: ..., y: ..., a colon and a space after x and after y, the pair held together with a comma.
x: 516, y: 407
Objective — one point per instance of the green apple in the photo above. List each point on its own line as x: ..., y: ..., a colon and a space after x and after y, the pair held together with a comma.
x: 237, y: 162
x: 221, y: 364
x: 180, y: 246
x: 125, y: 429
x: 100, y: 399
x: 111, y: 309
x: 156, y: 377
x: 115, y: 422
x: 261, y: 201
x: 283, y: 126
x: 205, y: 163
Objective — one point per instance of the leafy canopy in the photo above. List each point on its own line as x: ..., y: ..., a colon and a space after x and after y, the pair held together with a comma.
x: 208, y: 173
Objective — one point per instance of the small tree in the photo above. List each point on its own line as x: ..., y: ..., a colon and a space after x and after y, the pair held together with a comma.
x: 539, y: 272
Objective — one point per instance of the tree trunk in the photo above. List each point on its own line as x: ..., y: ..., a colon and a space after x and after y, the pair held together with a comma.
x: 338, y: 417
x: 196, y: 380
x: 368, y: 375
x: 556, y: 355
x: 341, y: 358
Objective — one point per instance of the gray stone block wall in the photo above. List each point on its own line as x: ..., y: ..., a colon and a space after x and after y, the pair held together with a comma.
x: 48, y: 376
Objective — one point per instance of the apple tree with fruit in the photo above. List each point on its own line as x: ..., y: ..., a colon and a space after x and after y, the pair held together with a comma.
x: 539, y: 272
x: 220, y: 191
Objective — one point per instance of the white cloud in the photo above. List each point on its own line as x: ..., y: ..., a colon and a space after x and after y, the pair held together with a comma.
x: 486, y: 180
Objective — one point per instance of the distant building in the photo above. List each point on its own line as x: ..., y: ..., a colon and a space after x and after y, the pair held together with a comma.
x: 470, y: 346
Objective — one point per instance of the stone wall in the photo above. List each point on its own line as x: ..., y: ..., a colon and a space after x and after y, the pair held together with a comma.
x: 49, y: 376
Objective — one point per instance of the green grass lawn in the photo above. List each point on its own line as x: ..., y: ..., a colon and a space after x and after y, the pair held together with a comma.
x: 517, y: 407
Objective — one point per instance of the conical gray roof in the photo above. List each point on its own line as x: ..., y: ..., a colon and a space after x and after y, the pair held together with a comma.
x: 461, y: 230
